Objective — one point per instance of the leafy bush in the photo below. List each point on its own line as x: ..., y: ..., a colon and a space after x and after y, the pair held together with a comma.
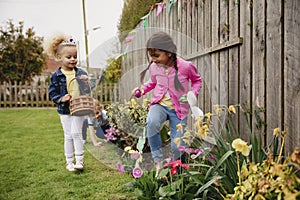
x: 132, y: 12
x: 128, y: 121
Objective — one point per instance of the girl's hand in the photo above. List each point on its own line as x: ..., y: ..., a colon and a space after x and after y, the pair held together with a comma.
x: 67, y: 97
x: 133, y: 91
x: 98, y: 144
x: 84, y: 77
x: 137, y: 92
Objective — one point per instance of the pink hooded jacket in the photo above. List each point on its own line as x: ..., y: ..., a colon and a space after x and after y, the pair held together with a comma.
x: 162, y: 82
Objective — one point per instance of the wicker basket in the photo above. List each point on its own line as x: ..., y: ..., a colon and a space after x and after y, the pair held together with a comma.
x: 82, y: 105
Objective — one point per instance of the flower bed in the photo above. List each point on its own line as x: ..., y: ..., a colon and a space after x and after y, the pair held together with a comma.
x: 226, y: 167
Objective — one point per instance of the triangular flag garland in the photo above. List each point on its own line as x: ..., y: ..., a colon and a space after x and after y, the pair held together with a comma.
x: 160, y: 6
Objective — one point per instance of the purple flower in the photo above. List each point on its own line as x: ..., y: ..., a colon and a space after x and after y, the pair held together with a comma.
x: 197, y: 151
x: 181, y: 148
x: 137, y: 172
x: 212, y: 157
x: 120, y: 168
x: 110, y: 137
x: 112, y: 131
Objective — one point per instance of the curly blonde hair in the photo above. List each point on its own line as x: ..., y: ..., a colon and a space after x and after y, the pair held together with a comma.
x: 52, y: 47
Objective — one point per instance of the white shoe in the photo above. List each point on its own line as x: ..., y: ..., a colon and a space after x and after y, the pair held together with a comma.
x: 79, y: 165
x: 70, y: 167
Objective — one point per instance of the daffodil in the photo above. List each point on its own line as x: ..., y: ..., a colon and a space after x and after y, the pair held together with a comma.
x: 208, y: 115
x: 179, y: 127
x: 187, y: 138
x: 217, y: 109
x: 177, y: 141
x: 276, y: 132
x: 202, y: 131
x: 131, y: 151
x: 133, y: 102
x: 241, y: 146
x: 126, y: 149
x: 232, y: 109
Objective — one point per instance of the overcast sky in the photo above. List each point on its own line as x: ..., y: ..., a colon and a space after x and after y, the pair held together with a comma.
x: 49, y: 17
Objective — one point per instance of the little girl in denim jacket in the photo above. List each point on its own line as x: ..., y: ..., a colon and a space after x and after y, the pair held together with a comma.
x: 64, y: 49
x: 169, y: 78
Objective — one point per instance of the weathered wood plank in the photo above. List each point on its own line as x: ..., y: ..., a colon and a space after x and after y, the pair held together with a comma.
x: 259, y: 55
x: 220, y: 47
x: 215, y: 67
x: 183, y: 31
x: 292, y: 73
x: 189, y: 27
x: 233, y: 62
x: 207, y: 64
x: 224, y: 37
x: 200, y: 46
x: 245, y: 57
x: 274, y: 67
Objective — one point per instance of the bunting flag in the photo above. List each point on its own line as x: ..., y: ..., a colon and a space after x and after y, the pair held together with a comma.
x: 145, y: 16
x: 160, y: 7
x: 146, y: 23
x: 128, y: 39
x: 170, y: 6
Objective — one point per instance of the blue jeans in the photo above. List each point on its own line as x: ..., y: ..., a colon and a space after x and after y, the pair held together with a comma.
x: 99, y: 131
x: 157, y: 115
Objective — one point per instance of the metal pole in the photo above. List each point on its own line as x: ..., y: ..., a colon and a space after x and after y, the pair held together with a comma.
x: 85, y: 38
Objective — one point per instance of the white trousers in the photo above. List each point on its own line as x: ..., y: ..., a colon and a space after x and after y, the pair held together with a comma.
x: 72, y: 126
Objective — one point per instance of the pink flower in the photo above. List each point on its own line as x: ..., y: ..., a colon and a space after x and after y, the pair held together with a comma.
x: 185, y: 166
x: 174, y: 166
x: 189, y: 150
x: 173, y: 170
x: 120, y: 168
x: 110, y: 137
x: 181, y: 148
x: 137, y: 172
x: 212, y: 157
x: 197, y: 151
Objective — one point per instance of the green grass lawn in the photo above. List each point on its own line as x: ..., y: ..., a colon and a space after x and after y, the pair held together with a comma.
x: 33, y: 164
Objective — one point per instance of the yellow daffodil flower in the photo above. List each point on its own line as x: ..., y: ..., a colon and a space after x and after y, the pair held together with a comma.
x: 276, y: 132
x: 179, y: 127
x: 232, y: 109
x: 126, y: 149
x: 241, y: 146
x: 177, y: 141
x: 217, y: 109
x: 202, y: 131
x: 131, y: 151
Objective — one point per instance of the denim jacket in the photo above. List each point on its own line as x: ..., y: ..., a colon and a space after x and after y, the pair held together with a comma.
x: 58, y: 89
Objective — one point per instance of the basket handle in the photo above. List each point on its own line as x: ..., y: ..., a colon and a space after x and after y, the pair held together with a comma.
x: 78, y: 79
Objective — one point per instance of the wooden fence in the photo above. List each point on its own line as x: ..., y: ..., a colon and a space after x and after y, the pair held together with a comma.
x: 245, y: 50
x: 30, y: 95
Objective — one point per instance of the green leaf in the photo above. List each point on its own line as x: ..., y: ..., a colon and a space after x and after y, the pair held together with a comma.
x: 208, y: 184
x: 219, y: 163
